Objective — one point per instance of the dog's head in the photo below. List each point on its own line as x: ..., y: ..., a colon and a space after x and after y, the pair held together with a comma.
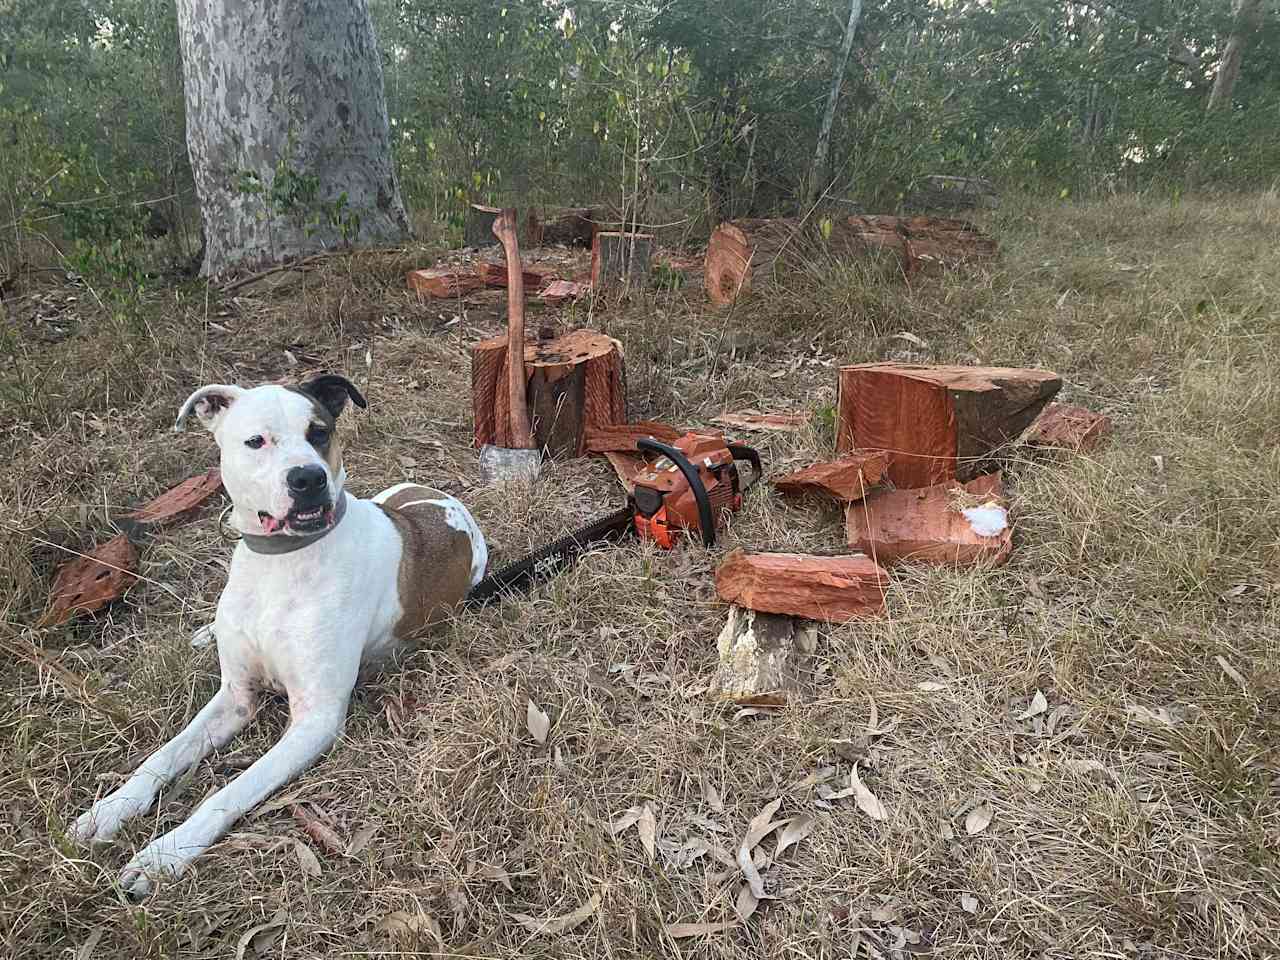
x: 281, y: 460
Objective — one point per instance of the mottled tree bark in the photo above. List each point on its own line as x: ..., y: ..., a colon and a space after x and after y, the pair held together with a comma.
x: 1247, y: 19
x: 287, y: 129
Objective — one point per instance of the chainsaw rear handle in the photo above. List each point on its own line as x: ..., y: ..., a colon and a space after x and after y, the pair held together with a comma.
x: 743, y: 452
x: 705, y: 519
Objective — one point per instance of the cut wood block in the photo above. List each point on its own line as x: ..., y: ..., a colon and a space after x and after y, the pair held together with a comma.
x: 847, y: 479
x: 575, y: 381
x: 620, y: 260
x: 443, y: 282
x: 834, y: 589
x: 561, y: 291
x: 750, y: 420
x: 477, y: 231
x: 622, y: 437
x: 90, y: 582
x: 494, y: 275
x: 1066, y: 427
x: 951, y: 524
x: 627, y: 466
x: 937, y: 422
x: 760, y: 657
x: 185, y: 497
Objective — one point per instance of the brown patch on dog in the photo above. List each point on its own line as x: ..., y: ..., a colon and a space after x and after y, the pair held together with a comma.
x: 435, y: 567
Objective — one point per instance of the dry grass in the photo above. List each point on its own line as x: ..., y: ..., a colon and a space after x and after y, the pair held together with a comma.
x: 1136, y: 816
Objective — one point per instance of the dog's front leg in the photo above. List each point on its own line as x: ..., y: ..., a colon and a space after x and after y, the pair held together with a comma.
x: 221, y: 719
x: 312, y: 730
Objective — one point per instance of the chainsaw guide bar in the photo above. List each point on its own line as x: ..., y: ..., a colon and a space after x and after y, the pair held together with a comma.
x: 690, y: 488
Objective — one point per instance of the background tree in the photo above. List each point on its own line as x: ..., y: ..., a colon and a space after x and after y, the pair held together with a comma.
x: 287, y: 129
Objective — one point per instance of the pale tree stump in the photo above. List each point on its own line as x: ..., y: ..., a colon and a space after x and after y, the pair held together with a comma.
x: 937, y: 423
x: 620, y: 260
x: 478, y: 229
x: 761, y: 657
x: 575, y: 382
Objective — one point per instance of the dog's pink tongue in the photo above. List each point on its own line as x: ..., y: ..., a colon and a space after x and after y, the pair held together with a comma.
x: 270, y: 524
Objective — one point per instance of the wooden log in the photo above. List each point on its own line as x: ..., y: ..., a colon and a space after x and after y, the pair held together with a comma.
x: 743, y: 255
x: 940, y: 192
x: 847, y: 479
x: 1069, y: 428
x: 496, y: 277
x: 937, y: 422
x: 834, y: 589
x: 443, y: 282
x: 477, y: 231
x: 561, y: 291
x: 620, y: 260
x: 622, y: 437
x: 950, y: 524
x: 574, y: 381
x: 575, y: 227
x: 761, y: 656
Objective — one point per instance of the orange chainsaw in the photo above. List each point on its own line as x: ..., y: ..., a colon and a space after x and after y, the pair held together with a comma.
x: 692, y: 487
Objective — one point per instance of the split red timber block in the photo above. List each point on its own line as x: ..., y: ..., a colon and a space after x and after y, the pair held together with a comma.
x: 832, y: 589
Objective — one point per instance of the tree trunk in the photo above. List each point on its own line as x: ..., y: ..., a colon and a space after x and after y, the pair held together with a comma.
x: 1247, y: 19
x: 819, y: 172
x: 287, y: 130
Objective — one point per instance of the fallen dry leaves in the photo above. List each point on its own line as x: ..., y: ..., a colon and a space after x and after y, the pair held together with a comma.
x: 562, y: 924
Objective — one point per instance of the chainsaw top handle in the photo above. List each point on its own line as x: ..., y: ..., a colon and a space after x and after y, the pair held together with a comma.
x: 743, y: 452
x: 705, y: 519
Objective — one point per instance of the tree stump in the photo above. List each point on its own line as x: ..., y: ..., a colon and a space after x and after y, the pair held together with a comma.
x: 760, y: 657
x: 575, y: 227
x: 620, y: 260
x: 850, y: 478
x: 575, y: 382
x: 834, y: 589
x: 478, y: 229
x: 936, y: 422
x: 950, y: 524
x: 751, y: 254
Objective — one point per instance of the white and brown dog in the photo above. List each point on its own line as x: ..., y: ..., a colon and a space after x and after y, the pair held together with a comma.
x: 321, y: 584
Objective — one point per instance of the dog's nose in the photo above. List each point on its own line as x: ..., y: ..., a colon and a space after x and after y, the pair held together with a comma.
x: 304, y: 481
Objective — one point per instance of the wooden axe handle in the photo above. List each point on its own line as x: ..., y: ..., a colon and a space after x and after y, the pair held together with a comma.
x: 504, y: 228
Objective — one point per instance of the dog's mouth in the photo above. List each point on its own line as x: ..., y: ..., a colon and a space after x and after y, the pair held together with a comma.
x: 298, y: 520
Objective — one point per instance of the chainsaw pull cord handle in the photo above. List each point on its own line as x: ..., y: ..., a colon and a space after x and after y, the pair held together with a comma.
x: 742, y: 452
x: 695, y: 484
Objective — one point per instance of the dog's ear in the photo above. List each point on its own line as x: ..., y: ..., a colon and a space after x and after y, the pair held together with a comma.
x: 208, y: 403
x: 331, y: 392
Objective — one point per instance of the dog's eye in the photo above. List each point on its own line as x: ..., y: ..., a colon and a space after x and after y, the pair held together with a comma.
x: 254, y: 443
x: 317, y: 436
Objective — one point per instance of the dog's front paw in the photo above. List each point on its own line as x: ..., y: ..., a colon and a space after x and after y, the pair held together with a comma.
x: 163, y: 859
x: 100, y: 823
